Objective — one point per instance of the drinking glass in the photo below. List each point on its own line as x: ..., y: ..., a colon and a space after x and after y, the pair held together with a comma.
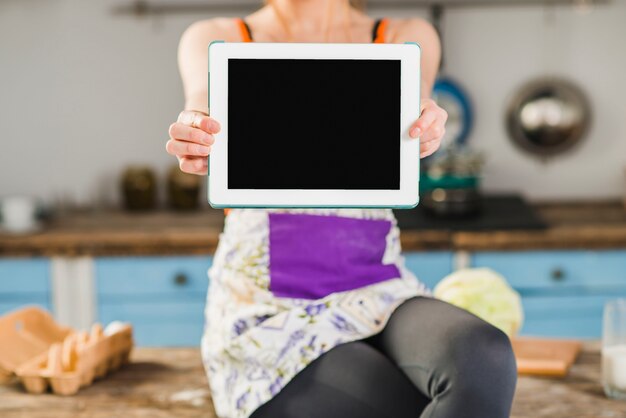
x: 614, y: 349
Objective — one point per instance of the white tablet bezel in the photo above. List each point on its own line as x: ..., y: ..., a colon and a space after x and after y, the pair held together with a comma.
x: 220, y: 196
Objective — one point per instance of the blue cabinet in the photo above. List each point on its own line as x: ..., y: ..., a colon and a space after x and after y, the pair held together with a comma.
x: 563, y: 292
x: 430, y: 266
x: 24, y: 281
x: 163, y: 297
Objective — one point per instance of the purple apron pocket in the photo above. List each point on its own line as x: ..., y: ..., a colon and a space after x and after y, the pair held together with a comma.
x: 312, y: 256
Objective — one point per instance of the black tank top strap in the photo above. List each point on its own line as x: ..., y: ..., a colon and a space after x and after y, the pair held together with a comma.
x: 375, y: 29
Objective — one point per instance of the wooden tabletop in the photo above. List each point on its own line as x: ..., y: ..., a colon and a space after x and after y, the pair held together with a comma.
x: 163, y: 383
x: 598, y: 225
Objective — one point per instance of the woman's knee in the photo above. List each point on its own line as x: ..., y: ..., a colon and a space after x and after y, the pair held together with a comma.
x: 458, y: 339
x: 482, y: 358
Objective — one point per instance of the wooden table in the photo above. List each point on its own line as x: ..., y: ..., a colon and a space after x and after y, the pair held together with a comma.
x: 171, y: 383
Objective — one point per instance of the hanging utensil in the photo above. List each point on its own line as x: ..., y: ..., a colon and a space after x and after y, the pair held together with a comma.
x: 548, y: 116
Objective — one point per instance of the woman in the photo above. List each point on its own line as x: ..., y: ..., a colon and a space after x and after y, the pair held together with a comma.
x: 383, y: 349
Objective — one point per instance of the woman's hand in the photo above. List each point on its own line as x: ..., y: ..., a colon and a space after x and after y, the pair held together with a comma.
x: 430, y: 127
x: 191, y: 137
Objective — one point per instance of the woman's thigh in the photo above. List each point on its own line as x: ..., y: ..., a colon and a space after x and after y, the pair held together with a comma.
x: 350, y: 380
x: 463, y: 364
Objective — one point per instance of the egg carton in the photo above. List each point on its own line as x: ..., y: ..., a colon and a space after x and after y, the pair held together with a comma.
x: 43, y: 354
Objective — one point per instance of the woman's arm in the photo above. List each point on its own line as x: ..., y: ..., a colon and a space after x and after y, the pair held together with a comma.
x: 191, y: 136
x: 193, y: 58
x: 430, y: 126
x: 422, y: 32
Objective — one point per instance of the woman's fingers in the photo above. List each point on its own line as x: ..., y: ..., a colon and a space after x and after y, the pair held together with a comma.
x: 428, y: 148
x: 193, y: 165
x: 420, y: 126
x: 192, y: 149
x: 182, y: 132
x: 190, y: 141
x: 199, y: 121
x: 433, y: 133
x: 432, y: 115
x: 430, y: 127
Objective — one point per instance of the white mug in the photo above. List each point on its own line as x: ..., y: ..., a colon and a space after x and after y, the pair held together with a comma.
x: 18, y: 214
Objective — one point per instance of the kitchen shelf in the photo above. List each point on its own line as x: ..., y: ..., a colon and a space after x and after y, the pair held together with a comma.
x: 155, y: 7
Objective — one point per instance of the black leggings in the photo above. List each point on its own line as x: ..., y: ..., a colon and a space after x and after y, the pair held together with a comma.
x: 432, y: 360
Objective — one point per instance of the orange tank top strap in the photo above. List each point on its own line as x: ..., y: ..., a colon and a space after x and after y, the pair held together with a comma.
x: 378, y: 33
x: 244, y: 30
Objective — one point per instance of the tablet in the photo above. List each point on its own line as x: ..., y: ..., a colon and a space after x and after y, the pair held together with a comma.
x: 314, y: 125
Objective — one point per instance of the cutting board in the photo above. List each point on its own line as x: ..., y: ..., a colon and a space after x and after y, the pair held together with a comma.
x: 545, y: 357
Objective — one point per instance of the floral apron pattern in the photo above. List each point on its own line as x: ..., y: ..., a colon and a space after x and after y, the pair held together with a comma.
x: 289, y: 285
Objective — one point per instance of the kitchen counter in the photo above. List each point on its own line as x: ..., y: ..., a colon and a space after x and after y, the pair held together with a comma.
x: 600, y: 225
x: 163, y: 383
x: 121, y: 233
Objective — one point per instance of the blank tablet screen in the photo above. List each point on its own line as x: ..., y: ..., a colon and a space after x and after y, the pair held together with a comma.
x: 313, y: 124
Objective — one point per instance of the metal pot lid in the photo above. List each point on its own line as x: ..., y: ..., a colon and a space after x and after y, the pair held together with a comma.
x: 548, y: 116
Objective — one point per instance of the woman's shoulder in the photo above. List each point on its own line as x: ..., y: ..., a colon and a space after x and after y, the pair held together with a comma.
x: 205, y: 31
x: 413, y: 29
x: 192, y: 55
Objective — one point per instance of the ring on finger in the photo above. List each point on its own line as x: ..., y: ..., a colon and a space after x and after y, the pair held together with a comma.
x: 191, y: 118
x: 197, y: 120
x: 185, y: 117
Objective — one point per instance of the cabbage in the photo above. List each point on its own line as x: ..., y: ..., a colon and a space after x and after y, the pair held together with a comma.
x: 486, y: 294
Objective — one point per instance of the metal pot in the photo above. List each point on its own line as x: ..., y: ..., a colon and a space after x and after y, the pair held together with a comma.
x: 449, y: 183
x: 452, y: 202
